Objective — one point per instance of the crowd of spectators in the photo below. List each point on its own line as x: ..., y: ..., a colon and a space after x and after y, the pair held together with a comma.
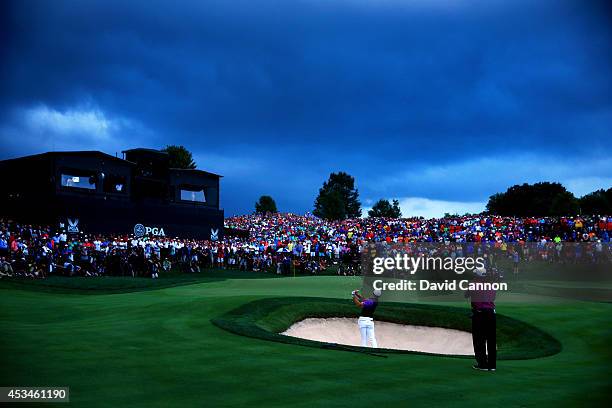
x: 286, y: 228
x: 280, y: 243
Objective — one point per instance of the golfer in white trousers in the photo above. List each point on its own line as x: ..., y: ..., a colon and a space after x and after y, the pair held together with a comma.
x: 366, y: 318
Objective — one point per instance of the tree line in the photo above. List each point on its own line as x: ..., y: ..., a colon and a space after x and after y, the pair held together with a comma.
x: 548, y: 199
x: 338, y: 199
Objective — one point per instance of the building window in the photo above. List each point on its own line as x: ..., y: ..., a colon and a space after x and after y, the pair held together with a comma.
x: 114, y: 184
x: 193, y: 195
x: 87, y: 182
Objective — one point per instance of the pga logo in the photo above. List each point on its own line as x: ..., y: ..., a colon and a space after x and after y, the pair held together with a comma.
x: 141, y: 230
x: 73, y: 225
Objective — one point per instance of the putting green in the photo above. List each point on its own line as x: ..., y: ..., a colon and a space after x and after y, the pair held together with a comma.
x: 159, y: 348
x: 589, y: 291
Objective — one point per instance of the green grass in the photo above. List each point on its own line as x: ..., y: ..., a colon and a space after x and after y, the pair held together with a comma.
x: 588, y: 291
x: 159, y: 348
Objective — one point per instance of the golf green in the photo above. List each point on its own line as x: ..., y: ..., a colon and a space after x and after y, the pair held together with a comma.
x: 159, y: 348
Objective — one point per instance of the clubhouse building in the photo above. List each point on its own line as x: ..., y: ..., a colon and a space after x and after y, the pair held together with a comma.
x: 94, y: 192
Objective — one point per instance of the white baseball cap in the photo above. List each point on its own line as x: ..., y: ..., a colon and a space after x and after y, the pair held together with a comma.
x: 480, y: 272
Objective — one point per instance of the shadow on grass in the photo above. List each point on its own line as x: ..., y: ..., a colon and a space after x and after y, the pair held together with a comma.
x: 122, y: 284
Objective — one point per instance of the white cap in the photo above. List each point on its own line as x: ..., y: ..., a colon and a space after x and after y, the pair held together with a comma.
x: 377, y: 292
x: 480, y: 272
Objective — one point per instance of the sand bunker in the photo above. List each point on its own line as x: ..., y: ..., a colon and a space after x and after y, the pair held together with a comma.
x: 343, y: 330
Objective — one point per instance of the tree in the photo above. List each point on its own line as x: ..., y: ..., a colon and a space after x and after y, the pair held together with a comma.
x: 539, y: 199
x: 597, y: 202
x: 397, y: 212
x: 383, y: 208
x: 265, y: 204
x: 180, y: 157
x: 338, y: 199
x: 564, y: 203
x: 331, y: 206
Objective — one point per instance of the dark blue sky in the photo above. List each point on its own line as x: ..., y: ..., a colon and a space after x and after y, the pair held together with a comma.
x: 440, y: 103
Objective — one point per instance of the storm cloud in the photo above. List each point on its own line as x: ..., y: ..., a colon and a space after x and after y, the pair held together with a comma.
x: 439, y: 103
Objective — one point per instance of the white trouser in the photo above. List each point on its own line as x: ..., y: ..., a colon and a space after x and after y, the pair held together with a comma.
x: 366, y: 327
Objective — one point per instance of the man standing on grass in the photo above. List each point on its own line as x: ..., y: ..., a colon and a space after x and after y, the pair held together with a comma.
x: 366, y: 317
x: 515, y: 263
x: 483, y: 324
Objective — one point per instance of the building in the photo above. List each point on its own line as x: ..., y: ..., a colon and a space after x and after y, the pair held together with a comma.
x: 93, y: 192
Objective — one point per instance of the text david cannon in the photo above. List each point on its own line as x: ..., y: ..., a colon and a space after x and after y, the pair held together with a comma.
x: 423, y: 284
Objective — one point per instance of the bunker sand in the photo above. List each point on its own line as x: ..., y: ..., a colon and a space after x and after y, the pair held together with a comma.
x: 342, y: 330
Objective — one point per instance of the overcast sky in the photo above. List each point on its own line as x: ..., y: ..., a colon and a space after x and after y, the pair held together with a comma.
x: 439, y: 103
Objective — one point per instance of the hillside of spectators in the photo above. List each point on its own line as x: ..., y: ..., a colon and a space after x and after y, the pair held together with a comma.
x: 282, y: 229
x: 278, y: 243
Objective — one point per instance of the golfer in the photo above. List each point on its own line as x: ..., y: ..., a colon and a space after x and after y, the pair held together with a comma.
x: 483, y: 324
x: 366, y: 317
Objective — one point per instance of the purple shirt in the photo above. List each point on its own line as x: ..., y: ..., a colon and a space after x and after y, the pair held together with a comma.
x: 368, y: 307
x: 481, y: 299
